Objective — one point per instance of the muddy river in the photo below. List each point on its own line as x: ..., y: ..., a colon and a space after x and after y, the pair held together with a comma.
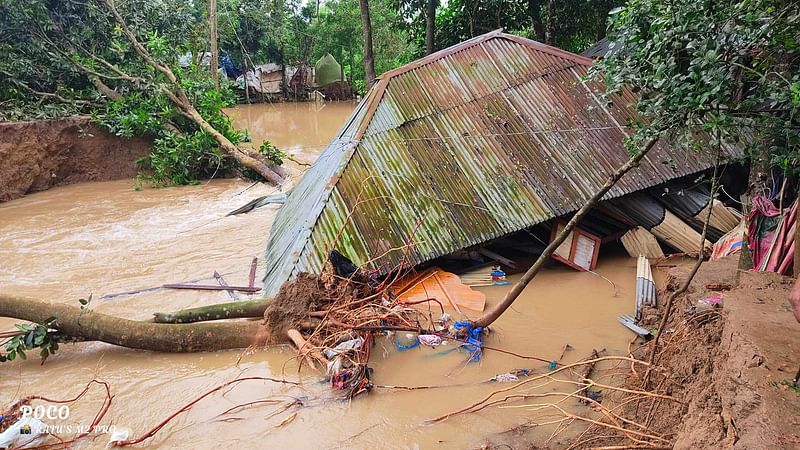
x: 106, y: 238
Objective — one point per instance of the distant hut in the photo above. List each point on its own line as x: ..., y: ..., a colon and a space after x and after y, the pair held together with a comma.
x: 331, y: 80
x: 265, y: 79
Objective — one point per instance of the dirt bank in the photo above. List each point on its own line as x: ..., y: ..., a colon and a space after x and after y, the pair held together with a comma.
x: 733, y: 371
x: 35, y: 156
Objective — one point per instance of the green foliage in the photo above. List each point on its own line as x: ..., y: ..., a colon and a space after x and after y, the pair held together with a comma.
x: 58, y: 51
x: 701, y: 69
x: 31, y: 337
x: 274, y: 154
x: 136, y: 114
x: 181, y: 153
x: 337, y: 30
x: 253, y: 32
x: 572, y: 25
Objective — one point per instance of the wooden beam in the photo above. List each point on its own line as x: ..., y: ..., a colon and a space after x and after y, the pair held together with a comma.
x: 499, y: 258
x: 211, y: 287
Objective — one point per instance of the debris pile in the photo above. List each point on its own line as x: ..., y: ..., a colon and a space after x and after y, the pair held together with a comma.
x: 334, y: 318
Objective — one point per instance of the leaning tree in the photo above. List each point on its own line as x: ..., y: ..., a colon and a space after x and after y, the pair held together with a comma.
x: 120, y: 62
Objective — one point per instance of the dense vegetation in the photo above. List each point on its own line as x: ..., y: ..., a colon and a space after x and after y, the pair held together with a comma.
x: 78, y: 59
x: 700, y: 67
x: 725, y: 70
x: 53, y: 38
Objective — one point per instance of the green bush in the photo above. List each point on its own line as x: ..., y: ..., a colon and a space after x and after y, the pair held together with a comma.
x: 181, y: 153
x: 274, y: 154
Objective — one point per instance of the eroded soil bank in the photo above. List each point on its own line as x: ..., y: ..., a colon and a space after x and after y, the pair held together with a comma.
x: 38, y: 155
x: 731, y: 368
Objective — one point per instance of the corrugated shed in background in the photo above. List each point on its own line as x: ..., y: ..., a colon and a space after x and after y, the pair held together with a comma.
x: 485, y: 138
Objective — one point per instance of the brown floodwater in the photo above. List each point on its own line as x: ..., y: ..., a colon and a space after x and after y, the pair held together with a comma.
x: 302, y: 129
x: 106, y: 238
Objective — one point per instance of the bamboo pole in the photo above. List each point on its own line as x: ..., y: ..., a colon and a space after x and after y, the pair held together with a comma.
x: 212, y: 25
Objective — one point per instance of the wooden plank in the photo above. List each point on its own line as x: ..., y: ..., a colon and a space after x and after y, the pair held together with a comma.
x: 251, y: 280
x: 211, y: 287
x: 499, y: 258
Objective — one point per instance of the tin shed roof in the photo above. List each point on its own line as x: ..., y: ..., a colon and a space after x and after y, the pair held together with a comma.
x: 473, y: 142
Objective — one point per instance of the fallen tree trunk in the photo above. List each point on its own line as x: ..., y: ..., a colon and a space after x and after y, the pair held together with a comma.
x: 248, y: 158
x: 173, y: 338
x: 219, y: 311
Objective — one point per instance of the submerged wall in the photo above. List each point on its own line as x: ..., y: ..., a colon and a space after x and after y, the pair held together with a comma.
x: 35, y: 156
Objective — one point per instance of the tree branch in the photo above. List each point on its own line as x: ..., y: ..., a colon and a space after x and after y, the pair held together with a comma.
x: 138, y: 46
x: 490, y: 316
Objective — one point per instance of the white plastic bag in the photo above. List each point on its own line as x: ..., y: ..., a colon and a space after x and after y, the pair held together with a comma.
x: 25, y: 433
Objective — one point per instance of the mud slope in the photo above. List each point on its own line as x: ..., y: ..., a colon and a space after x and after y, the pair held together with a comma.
x: 733, y: 371
x: 35, y: 156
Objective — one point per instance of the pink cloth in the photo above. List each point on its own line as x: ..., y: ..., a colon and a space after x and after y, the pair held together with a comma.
x: 757, y: 243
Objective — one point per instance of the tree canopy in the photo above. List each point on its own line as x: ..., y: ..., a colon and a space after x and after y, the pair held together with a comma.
x: 698, y: 67
x: 719, y: 68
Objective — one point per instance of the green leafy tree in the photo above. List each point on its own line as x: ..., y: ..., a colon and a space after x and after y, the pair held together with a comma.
x: 571, y: 24
x: 713, y: 68
x: 337, y: 30
x: 121, y: 63
x: 714, y: 72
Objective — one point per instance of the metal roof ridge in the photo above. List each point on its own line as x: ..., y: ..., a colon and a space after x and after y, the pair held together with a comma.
x: 425, y: 60
x: 384, y: 78
x: 478, y: 40
x: 542, y: 47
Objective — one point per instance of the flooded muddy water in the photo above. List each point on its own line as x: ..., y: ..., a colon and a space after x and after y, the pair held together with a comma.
x: 106, y: 238
x: 302, y: 129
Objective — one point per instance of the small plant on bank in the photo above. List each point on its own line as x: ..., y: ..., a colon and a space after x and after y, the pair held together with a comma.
x: 788, y: 385
x: 274, y: 154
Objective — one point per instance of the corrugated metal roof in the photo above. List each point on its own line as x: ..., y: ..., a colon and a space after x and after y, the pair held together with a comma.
x: 465, y: 145
x: 600, y: 49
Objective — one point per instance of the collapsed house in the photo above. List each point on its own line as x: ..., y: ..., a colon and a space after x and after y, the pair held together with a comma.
x: 480, y: 140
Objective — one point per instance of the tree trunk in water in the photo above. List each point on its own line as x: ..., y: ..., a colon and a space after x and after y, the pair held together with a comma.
x: 369, y: 58
x: 232, y: 310
x: 249, y: 159
x: 212, y: 22
x: 430, y: 26
x: 93, y: 326
x: 490, y: 316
